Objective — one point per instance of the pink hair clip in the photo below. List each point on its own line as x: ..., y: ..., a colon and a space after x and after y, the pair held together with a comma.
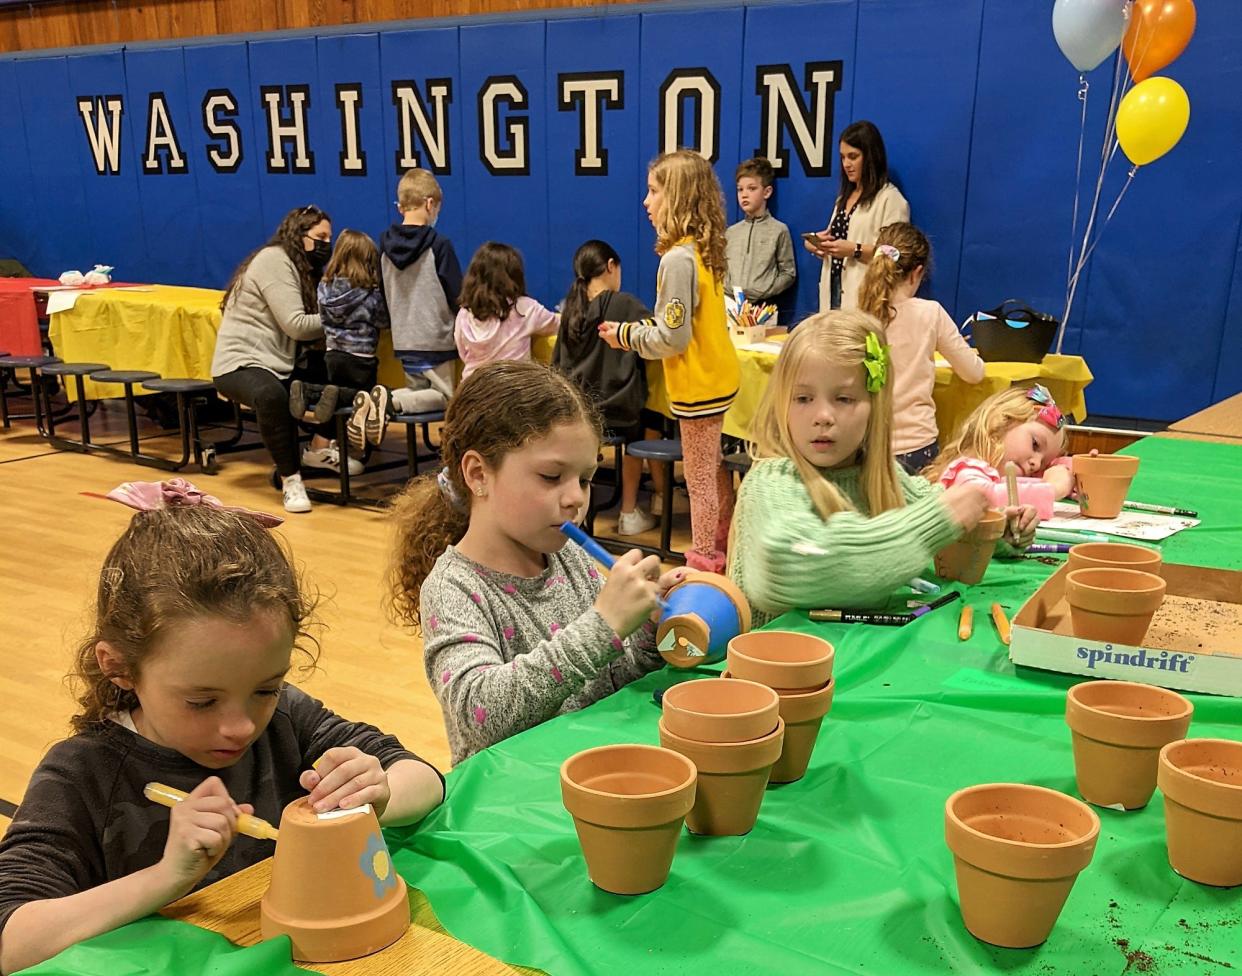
x: 1049, y: 413
x: 151, y: 496
x: 1052, y: 416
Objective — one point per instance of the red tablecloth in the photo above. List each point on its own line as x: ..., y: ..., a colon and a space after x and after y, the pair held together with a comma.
x: 19, y: 322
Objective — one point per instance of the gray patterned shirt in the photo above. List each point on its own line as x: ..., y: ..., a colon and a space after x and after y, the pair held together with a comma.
x: 504, y: 653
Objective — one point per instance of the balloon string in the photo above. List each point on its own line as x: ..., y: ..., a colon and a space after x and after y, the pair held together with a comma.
x: 1087, y: 253
x: 1083, y: 85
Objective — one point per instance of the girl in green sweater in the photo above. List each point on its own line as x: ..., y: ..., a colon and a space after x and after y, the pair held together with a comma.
x: 825, y: 518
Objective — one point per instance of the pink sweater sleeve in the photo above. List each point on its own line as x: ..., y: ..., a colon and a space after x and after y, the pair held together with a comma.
x: 965, y: 361
x: 540, y: 320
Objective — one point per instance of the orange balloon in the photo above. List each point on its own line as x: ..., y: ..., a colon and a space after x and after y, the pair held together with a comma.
x: 1158, y: 33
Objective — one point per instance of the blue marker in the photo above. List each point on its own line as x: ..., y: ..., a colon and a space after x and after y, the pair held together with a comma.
x: 1049, y: 547
x: 923, y: 586
x: 596, y: 551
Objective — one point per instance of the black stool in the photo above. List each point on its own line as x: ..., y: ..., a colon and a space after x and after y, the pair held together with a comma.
x: 188, y: 392
x: 127, y: 378
x: 666, y: 452
x: 617, y: 443
x: 739, y: 462
x: 77, y: 371
x: 412, y: 422
x: 32, y: 363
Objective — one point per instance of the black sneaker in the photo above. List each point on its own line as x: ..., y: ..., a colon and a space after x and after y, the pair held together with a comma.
x: 297, y: 399
x: 326, y: 406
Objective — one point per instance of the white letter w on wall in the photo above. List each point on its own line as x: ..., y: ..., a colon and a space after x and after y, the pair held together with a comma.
x: 101, y: 118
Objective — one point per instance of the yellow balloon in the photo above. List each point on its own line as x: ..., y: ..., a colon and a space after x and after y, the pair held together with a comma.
x: 1151, y: 119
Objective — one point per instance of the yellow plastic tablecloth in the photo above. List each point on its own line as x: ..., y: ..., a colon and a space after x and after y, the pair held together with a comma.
x: 171, y: 330
x: 1065, y: 376
x: 168, y: 329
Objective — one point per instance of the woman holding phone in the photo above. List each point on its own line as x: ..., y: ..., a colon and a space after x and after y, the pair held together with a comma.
x: 866, y: 202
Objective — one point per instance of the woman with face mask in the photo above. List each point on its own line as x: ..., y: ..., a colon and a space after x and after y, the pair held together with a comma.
x: 269, y: 308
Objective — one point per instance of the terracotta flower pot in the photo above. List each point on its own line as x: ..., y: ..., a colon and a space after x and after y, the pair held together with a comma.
x: 967, y: 559
x: 1201, y: 780
x: 1119, y: 728
x: 712, y: 710
x: 803, y: 712
x: 781, y: 659
x: 1114, y: 555
x: 1102, y: 482
x: 628, y: 803
x: 732, y: 778
x: 1016, y: 850
x: 1113, y: 605
x: 334, y: 890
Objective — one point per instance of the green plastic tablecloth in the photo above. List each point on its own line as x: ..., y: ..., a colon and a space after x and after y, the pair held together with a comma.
x: 846, y: 870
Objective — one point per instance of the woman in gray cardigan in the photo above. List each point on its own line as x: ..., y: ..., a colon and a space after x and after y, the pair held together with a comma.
x: 866, y: 202
x: 270, y: 307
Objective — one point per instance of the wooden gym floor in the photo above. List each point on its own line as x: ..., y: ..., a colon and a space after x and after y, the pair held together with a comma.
x: 54, y: 541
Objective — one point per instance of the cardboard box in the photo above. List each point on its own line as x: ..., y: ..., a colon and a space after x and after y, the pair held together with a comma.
x: 1194, y: 643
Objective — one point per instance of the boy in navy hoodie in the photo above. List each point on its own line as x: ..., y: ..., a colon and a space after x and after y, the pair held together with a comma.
x: 422, y: 279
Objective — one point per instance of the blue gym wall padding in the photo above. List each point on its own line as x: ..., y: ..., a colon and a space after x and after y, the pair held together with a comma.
x: 977, y: 105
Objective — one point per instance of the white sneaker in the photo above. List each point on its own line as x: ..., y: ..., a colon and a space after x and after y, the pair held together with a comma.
x: 636, y: 522
x: 329, y: 458
x: 681, y: 503
x: 295, y: 494
x: 356, y: 425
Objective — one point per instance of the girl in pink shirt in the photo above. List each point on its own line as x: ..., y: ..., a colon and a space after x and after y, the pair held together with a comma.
x: 497, y: 317
x: 917, y: 329
x: 1019, y: 425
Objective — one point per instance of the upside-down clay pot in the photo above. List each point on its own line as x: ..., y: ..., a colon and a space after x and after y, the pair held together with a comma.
x: 1114, y: 555
x: 1102, y: 481
x: 704, y: 612
x: 1201, y: 780
x: 628, y: 803
x: 713, y: 710
x: 1118, y: 729
x: 732, y: 778
x: 781, y: 659
x: 1017, y: 851
x: 334, y: 890
x: 803, y: 713
x: 967, y: 559
x: 1113, y: 604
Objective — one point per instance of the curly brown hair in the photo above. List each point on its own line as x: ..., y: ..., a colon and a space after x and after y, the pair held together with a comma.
x: 288, y: 237
x: 500, y: 408
x: 175, y: 564
x: 693, y: 207
x: 494, y: 281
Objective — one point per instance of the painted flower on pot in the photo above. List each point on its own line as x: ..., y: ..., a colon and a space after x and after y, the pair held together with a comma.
x: 377, y: 865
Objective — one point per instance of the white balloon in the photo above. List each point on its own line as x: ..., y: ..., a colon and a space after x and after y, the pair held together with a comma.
x: 1088, y: 31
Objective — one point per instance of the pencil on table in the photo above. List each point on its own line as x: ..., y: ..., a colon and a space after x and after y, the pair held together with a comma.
x: 966, y: 623
x: 1002, y: 623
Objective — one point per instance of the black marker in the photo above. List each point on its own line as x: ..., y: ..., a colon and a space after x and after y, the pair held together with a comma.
x: 929, y: 607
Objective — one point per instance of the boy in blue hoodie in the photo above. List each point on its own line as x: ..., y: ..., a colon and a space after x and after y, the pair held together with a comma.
x: 422, y: 279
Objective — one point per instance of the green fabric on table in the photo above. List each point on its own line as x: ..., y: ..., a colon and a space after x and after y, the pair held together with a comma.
x: 163, y: 946
x: 1201, y: 476
x: 847, y: 870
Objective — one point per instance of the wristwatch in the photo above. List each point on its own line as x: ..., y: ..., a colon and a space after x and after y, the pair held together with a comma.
x: 858, y: 251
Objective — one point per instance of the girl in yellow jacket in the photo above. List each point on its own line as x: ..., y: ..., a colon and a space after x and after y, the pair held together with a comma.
x: 689, y: 332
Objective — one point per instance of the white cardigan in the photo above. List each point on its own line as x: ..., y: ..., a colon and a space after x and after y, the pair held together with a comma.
x: 886, y: 207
